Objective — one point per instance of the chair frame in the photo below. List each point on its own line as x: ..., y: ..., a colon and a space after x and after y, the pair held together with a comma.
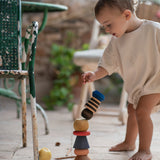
x: 21, y: 71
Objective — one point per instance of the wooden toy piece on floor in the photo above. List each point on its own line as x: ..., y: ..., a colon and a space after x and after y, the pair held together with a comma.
x: 92, y: 105
x: 45, y: 154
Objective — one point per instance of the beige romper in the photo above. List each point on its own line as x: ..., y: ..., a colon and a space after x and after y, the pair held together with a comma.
x: 136, y: 57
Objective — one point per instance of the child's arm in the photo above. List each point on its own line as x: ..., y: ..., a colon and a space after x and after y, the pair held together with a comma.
x: 92, y: 76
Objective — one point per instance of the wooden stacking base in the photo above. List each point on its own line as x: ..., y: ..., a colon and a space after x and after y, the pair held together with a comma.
x: 82, y: 158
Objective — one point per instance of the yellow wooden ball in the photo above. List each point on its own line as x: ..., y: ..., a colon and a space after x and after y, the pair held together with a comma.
x: 81, y: 125
x: 45, y: 154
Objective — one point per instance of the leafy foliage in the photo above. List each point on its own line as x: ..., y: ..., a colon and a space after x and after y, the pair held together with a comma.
x: 61, y: 93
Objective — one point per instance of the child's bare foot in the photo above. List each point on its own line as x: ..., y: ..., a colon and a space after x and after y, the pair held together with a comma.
x: 141, y: 156
x: 122, y: 147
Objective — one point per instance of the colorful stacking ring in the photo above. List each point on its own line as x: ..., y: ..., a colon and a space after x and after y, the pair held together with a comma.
x: 78, y: 133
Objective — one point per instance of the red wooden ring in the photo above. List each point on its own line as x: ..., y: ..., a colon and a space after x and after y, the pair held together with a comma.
x: 83, y: 133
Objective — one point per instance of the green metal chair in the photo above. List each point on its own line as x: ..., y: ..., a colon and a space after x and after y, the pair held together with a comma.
x: 13, y: 62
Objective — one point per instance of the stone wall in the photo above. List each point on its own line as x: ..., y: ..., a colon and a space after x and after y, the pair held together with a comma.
x: 72, y: 28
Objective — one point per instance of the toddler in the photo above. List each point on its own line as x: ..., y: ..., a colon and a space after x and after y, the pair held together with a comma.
x: 134, y: 53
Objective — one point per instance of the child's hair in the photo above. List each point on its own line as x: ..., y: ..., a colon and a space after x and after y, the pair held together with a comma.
x: 120, y: 4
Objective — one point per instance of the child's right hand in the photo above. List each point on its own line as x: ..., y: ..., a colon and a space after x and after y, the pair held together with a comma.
x: 88, y: 77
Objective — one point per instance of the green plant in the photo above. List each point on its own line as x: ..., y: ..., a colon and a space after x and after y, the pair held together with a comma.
x: 85, y: 46
x: 61, y: 93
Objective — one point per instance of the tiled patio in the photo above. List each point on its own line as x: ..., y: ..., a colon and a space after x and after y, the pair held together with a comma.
x: 105, y: 132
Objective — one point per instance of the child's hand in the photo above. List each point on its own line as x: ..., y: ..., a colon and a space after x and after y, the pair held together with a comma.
x: 88, y: 77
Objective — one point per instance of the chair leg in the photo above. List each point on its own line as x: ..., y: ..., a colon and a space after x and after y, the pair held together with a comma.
x: 44, y: 117
x: 24, y: 121
x: 34, y: 127
x: 32, y: 90
x: 18, y: 108
x: 33, y: 115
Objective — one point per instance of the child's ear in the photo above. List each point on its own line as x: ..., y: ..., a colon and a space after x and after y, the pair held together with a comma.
x: 127, y: 13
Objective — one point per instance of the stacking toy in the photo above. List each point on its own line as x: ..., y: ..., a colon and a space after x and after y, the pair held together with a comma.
x: 45, y: 154
x: 81, y: 126
x: 81, y: 143
x: 92, y: 105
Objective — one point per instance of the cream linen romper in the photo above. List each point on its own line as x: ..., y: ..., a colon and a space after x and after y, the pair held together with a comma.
x: 136, y: 57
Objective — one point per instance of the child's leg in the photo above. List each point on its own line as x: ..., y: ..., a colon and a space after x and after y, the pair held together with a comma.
x: 145, y: 126
x: 131, y: 132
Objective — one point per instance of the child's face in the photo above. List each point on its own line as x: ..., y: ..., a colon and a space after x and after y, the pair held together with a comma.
x: 113, y: 21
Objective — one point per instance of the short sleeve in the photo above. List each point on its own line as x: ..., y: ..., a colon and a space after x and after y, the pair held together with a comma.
x: 109, y: 59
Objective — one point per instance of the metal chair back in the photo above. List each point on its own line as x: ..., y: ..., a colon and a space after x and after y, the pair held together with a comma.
x: 10, y: 34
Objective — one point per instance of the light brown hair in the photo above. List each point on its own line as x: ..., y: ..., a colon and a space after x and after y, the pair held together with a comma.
x: 120, y: 4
